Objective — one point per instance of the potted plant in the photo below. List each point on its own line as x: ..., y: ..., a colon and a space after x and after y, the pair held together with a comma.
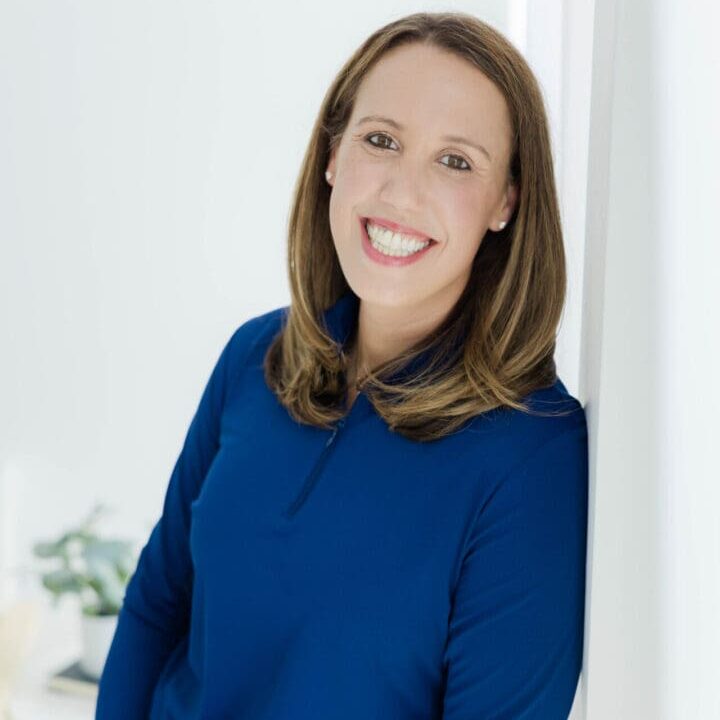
x: 96, y: 569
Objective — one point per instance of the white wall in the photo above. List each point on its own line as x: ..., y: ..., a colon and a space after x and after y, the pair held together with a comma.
x: 653, y: 292
x: 687, y: 88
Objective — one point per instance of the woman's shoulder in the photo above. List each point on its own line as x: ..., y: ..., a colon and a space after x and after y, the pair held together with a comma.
x: 255, y: 329
x: 555, y: 418
x: 251, y: 336
x: 507, y: 436
x: 555, y: 401
x: 549, y: 409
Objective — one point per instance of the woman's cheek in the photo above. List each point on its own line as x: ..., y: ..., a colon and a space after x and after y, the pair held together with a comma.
x: 467, y: 210
x: 367, y: 175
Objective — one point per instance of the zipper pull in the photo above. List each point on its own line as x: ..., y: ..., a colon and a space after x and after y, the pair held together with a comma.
x: 337, y: 427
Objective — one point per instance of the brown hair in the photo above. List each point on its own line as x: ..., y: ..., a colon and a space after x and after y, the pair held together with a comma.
x: 506, y: 319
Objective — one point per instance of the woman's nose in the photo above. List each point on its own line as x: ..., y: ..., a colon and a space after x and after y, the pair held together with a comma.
x: 403, y: 187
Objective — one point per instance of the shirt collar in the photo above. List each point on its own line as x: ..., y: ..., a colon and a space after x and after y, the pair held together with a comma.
x: 341, y: 318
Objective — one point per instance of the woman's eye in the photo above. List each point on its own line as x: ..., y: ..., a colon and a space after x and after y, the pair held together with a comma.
x: 456, y: 166
x: 380, y: 135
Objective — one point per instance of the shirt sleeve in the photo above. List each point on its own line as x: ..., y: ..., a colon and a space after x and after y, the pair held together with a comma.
x: 155, y: 612
x: 515, y: 637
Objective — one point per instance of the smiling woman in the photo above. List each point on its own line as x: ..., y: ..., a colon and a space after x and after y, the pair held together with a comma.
x: 435, y: 129
x: 411, y: 545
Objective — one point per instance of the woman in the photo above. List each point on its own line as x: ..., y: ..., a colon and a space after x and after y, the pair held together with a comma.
x: 380, y: 507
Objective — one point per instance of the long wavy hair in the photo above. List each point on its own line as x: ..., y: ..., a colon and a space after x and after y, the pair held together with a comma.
x: 498, y: 342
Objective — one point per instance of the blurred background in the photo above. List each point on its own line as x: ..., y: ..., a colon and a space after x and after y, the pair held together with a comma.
x: 148, y: 153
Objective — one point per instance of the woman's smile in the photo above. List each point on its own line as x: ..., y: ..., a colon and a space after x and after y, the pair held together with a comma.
x: 390, y: 248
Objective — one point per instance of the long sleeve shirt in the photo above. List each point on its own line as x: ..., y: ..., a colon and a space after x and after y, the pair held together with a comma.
x: 352, y: 574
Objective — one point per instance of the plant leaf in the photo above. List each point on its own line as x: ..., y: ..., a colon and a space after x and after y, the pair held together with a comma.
x: 63, y: 581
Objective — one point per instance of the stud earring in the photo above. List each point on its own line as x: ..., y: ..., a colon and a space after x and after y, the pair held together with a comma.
x: 328, y: 175
x: 502, y: 224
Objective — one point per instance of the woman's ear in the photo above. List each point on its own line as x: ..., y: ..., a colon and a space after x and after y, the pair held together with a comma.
x: 330, y: 169
x: 509, y: 201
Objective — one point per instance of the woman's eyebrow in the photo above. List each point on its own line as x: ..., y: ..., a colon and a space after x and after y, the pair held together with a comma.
x: 449, y: 138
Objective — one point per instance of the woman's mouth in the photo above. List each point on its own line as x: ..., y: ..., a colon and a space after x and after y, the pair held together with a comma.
x: 391, y: 248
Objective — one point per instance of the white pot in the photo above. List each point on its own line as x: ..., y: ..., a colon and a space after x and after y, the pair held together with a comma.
x: 97, y: 635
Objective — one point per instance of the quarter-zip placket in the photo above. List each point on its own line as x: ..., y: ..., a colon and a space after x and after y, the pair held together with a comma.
x: 314, y: 475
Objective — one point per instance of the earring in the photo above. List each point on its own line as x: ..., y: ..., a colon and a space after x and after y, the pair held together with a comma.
x: 501, y: 224
x: 328, y: 175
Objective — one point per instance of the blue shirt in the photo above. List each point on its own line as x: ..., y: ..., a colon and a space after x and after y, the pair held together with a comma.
x: 352, y: 574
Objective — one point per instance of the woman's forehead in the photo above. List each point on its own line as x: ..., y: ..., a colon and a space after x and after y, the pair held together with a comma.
x: 430, y: 90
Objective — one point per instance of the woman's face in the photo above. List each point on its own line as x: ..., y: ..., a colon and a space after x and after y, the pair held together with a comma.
x: 418, y: 167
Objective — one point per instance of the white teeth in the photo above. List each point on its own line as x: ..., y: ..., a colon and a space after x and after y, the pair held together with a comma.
x: 393, y: 244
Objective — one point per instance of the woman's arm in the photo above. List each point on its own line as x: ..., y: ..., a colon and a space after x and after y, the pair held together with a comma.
x: 155, y: 614
x: 515, y: 638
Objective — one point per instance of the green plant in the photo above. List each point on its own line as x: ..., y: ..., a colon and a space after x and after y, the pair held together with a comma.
x: 97, y: 569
